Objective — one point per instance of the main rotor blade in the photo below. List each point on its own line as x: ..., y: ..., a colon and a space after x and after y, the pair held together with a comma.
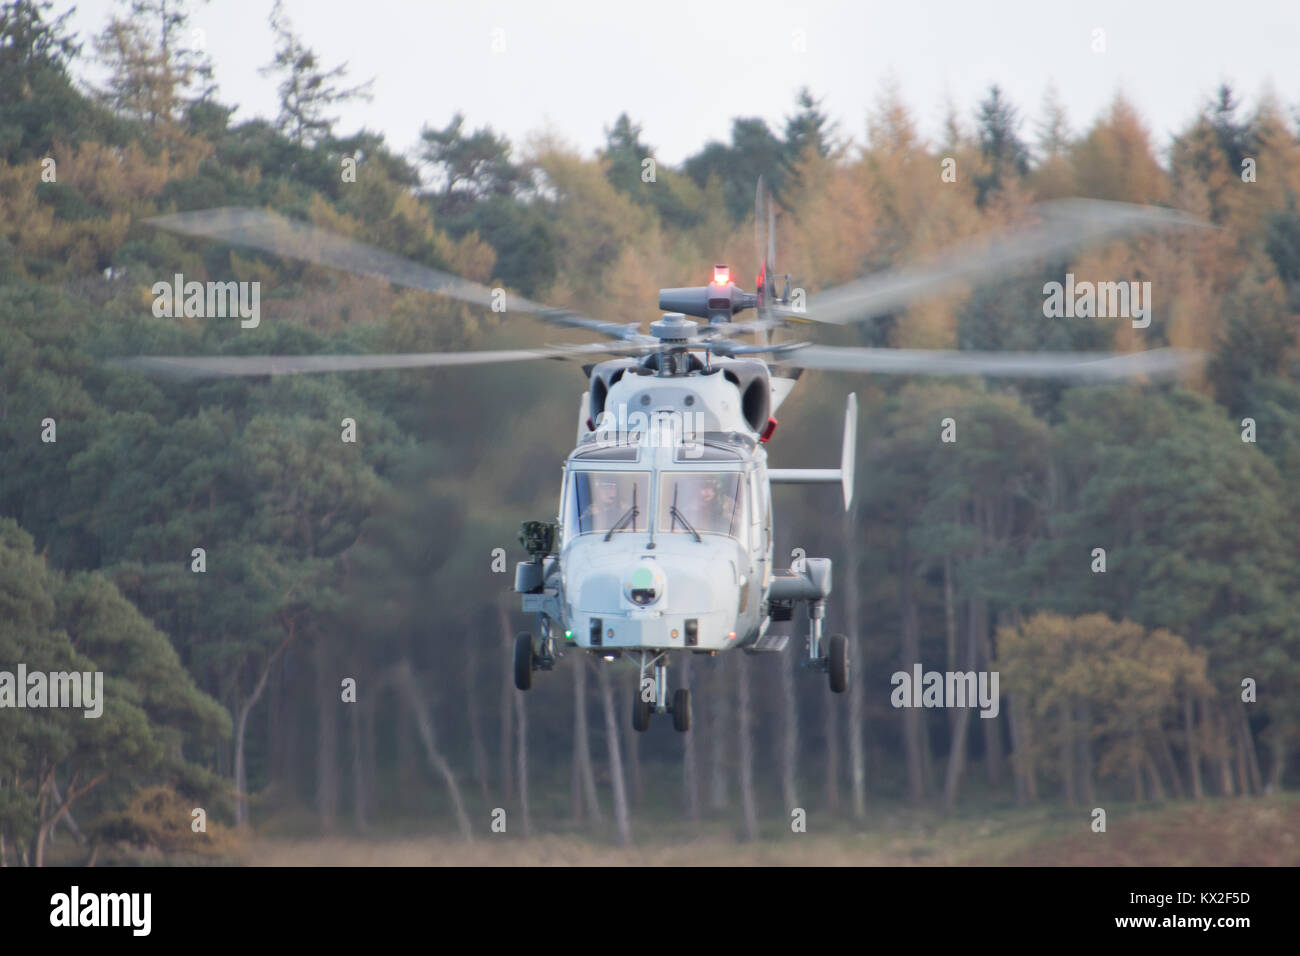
x: 220, y: 366
x: 1083, y: 366
x: 272, y: 233
x: 1066, y: 226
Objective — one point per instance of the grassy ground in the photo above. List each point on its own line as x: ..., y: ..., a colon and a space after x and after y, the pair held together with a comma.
x: 1263, y: 831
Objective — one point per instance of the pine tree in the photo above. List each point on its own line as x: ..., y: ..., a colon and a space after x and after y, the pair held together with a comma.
x: 306, y: 88
x: 1000, y: 144
x: 807, y: 129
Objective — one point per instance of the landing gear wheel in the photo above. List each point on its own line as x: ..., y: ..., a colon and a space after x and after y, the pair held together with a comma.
x: 641, y: 710
x: 682, y: 710
x: 838, y: 663
x: 524, y: 661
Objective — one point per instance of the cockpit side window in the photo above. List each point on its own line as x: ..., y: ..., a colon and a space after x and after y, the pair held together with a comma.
x: 708, y: 502
x: 601, y: 501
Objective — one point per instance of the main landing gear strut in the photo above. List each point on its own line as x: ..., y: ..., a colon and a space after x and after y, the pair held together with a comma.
x: 528, y: 660
x: 835, y: 662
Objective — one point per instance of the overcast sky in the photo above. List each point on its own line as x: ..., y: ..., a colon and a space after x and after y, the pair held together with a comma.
x: 683, y: 70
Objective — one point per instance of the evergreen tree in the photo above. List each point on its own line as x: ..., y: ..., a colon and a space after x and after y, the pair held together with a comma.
x: 997, y: 129
x: 808, y: 129
x: 469, y: 167
x: 307, y: 89
x: 754, y: 151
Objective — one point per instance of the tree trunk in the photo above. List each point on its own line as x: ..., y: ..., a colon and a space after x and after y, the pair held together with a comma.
x: 1154, y: 786
x: 1238, y: 743
x: 1277, y: 747
x: 621, y: 818
x: 368, y: 705
x: 424, y: 723
x: 241, y: 729
x: 582, y: 739
x: 949, y: 613
x: 1223, y: 746
x: 1193, y: 751
x: 1068, y: 757
x: 909, y: 656
x: 630, y: 690
x: 477, y: 746
x: 746, y: 744
x: 833, y: 763
x: 327, y: 738
x: 1165, y: 755
x: 1084, y: 738
x: 1135, y: 761
x: 690, y: 758
x: 719, y: 706
x: 521, y: 717
x: 359, y: 810
x: 1022, y: 741
x: 960, y: 723
x: 991, y: 726
x: 507, y: 705
x: 1248, y: 747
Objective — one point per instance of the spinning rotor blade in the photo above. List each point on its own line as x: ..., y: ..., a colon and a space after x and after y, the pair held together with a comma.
x: 299, y: 240
x: 1083, y: 366
x: 1067, y: 225
x: 223, y: 366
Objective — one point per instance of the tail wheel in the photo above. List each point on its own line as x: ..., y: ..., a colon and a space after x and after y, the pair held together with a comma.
x: 641, y: 710
x: 523, y: 661
x: 682, y: 710
x: 838, y: 668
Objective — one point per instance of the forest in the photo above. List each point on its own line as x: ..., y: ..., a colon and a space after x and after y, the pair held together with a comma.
x: 305, y: 635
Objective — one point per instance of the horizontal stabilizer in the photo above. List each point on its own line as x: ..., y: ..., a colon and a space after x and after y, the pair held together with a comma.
x: 842, y: 475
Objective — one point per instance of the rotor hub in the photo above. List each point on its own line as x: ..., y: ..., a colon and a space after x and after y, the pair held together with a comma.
x: 674, y: 329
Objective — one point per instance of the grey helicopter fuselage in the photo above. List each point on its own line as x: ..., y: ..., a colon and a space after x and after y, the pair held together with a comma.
x: 679, y: 573
x: 670, y: 441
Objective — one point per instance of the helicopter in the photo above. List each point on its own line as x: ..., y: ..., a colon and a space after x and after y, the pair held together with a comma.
x: 662, y: 543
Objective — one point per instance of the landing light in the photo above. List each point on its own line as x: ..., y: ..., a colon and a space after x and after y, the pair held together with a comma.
x: 721, y: 275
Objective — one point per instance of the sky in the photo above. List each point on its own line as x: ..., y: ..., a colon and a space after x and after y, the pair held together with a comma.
x: 683, y: 70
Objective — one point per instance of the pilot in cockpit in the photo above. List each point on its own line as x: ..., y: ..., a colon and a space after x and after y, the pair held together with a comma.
x: 606, y: 505
x: 711, y: 509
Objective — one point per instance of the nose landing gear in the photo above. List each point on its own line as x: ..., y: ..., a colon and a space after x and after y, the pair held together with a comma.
x: 652, y: 697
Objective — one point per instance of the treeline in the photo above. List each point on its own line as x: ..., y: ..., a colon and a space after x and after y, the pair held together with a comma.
x: 298, y: 628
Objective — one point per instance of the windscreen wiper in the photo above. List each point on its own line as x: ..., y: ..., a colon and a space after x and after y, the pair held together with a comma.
x: 678, y: 516
x: 629, y: 515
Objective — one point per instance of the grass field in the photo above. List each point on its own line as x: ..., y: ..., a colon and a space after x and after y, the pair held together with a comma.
x: 1255, y: 832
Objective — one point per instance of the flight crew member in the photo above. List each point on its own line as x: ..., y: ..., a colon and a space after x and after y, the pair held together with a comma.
x: 712, y: 510
x: 606, y: 505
